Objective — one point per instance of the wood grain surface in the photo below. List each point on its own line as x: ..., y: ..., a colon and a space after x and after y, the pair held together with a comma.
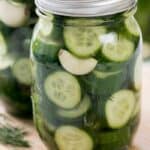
x: 142, y: 138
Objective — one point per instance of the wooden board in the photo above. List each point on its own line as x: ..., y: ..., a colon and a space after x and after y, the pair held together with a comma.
x: 142, y: 139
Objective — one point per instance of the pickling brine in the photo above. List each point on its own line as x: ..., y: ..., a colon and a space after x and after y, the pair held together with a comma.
x: 87, y: 80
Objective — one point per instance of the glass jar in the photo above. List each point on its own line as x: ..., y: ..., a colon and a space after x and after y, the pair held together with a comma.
x: 86, y: 64
x: 15, y: 72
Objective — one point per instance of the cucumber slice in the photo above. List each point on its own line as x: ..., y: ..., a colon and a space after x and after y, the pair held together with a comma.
x: 132, y: 26
x: 78, y: 111
x: 22, y: 71
x: 120, y: 51
x: 3, y: 45
x: 138, y: 73
x: 72, y: 138
x: 76, y: 65
x: 16, y: 15
x: 6, y: 61
x: 119, y: 108
x: 63, y: 89
x: 83, y: 41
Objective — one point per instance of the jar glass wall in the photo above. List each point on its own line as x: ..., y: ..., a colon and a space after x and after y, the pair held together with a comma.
x: 86, y: 91
x: 15, y: 73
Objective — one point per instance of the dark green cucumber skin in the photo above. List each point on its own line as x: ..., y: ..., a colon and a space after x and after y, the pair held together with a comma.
x: 15, y: 95
x: 48, y: 51
x: 94, y: 121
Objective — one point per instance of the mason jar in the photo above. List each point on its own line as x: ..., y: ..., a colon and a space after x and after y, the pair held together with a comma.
x: 15, y: 72
x: 86, y: 64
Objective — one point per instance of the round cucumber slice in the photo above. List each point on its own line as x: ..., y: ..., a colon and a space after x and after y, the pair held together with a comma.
x: 63, y: 89
x: 6, y: 61
x: 132, y: 26
x: 138, y: 73
x: 120, y: 51
x: 3, y: 45
x: 16, y: 15
x: 69, y: 137
x: 119, y: 108
x: 83, y: 41
x: 22, y: 71
x: 78, y: 111
x: 76, y: 65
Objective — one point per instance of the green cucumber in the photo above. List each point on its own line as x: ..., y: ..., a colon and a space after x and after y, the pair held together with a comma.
x: 83, y: 41
x: 70, y: 137
x: 22, y: 71
x: 119, y: 108
x: 45, y: 50
x: 78, y: 111
x: 63, y: 89
x: 137, y: 73
x: 132, y: 26
x: 105, y: 79
x: 76, y: 65
x: 16, y: 15
x: 116, y: 136
x: 3, y: 45
x: 120, y: 51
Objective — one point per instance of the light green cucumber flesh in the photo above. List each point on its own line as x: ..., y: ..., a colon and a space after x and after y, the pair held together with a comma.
x: 78, y: 111
x: 75, y: 65
x: 132, y: 26
x: 70, y: 137
x: 6, y: 61
x: 120, y: 51
x: 82, y: 41
x: 22, y: 71
x: 3, y: 45
x: 63, y: 89
x: 119, y: 108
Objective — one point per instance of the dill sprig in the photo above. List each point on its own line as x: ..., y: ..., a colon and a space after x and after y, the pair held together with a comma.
x: 10, y: 135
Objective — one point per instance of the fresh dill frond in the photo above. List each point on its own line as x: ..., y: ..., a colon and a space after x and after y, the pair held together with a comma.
x: 10, y: 135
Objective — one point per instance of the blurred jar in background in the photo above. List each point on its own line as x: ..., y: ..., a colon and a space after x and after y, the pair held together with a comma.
x: 143, y: 17
x: 16, y: 22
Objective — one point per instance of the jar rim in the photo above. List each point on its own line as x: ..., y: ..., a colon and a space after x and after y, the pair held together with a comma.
x: 85, y: 8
